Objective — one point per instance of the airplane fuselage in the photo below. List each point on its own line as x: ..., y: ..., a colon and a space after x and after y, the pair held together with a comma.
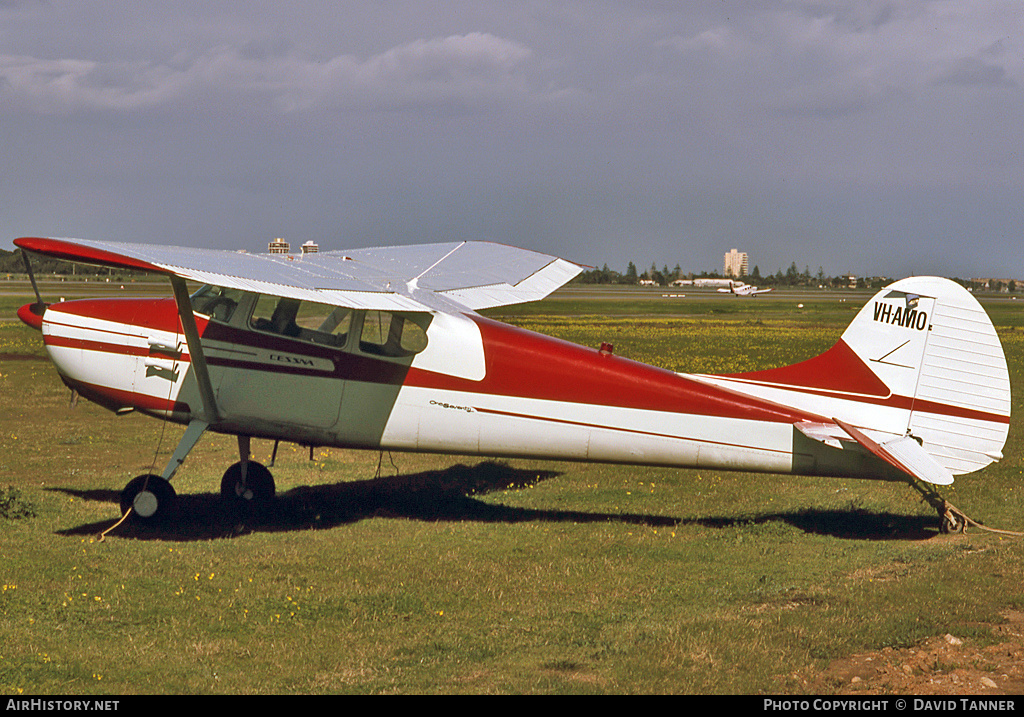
x: 477, y: 387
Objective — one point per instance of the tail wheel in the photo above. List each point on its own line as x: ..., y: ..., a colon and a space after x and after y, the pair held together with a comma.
x: 950, y: 521
x: 256, y: 492
x: 149, y: 497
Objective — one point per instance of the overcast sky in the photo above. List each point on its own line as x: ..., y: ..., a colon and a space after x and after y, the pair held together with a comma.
x: 868, y: 137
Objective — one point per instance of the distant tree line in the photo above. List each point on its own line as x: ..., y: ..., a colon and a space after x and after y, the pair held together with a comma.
x: 791, y: 277
x: 665, y: 276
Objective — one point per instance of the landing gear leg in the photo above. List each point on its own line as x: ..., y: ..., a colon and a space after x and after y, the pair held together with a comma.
x: 247, y: 486
x: 153, y: 494
x: 951, y: 520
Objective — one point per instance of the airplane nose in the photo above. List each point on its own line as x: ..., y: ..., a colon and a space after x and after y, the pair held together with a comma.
x: 32, y: 314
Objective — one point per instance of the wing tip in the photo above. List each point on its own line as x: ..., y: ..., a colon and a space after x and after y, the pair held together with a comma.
x: 87, y: 253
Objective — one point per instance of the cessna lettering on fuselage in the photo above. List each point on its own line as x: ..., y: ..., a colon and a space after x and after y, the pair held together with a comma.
x: 383, y: 349
x: 901, y: 315
x: 295, y: 360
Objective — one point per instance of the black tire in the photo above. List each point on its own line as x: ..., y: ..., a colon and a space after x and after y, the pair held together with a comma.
x: 150, y: 498
x: 257, y: 493
x: 951, y: 525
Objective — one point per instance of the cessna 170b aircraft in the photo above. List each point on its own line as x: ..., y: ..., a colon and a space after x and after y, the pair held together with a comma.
x: 383, y: 349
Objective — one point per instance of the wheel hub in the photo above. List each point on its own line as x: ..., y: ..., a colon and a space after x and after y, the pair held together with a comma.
x: 145, y: 504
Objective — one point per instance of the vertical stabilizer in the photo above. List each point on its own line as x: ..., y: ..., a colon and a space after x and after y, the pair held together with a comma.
x: 933, y: 345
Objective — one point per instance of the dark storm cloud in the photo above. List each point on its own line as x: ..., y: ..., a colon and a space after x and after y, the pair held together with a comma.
x: 865, y: 136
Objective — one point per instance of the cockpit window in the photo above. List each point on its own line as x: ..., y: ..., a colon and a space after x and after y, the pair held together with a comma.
x: 381, y: 333
x: 217, y: 302
x: 388, y: 334
x: 305, y: 320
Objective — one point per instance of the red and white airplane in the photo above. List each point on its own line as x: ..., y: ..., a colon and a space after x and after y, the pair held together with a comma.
x: 383, y: 349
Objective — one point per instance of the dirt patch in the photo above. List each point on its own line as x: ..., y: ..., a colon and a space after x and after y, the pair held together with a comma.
x: 944, y: 665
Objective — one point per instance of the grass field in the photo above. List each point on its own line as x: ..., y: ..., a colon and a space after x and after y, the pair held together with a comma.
x: 445, y: 574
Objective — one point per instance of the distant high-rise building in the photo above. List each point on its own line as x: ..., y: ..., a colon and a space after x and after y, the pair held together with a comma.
x: 735, y: 263
x: 310, y: 247
x: 278, y: 246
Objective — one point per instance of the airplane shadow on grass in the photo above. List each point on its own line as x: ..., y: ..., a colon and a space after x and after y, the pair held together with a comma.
x: 453, y: 494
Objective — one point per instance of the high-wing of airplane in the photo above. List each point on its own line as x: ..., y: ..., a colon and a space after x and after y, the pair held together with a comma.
x: 383, y: 349
x: 740, y: 288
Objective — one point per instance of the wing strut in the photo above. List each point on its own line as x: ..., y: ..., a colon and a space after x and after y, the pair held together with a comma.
x: 40, y: 304
x: 195, y: 350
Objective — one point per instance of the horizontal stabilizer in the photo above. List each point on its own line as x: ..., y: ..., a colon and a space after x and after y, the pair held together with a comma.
x: 905, y: 453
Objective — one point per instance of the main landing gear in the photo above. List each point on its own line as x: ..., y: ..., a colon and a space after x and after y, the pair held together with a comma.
x: 150, y: 498
x: 246, y: 489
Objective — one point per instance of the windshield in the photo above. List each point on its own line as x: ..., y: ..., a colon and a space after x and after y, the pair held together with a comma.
x: 217, y: 302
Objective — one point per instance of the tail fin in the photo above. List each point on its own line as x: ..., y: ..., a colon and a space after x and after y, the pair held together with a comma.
x: 921, y: 361
x: 935, y: 349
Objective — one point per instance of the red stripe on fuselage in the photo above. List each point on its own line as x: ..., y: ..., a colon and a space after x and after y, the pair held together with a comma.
x: 91, y: 345
x: 620, y: 429
x: 116, y: 399
x: 906, y: 403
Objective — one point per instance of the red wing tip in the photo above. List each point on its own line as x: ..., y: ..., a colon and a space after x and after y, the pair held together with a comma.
x: 28, y: 243
x: 72, y: 251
